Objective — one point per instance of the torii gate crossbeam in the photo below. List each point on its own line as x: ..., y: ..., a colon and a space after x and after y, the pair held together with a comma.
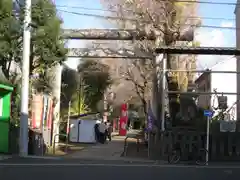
x: 118, y: 34
x: 198, y: 50
x: 105, y: 53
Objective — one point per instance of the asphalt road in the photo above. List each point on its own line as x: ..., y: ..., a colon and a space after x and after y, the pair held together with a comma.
x: 90, y: 170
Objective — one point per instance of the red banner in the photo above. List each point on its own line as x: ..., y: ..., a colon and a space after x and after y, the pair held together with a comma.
x: 37, y: 111
x: 50, y: 114
x: 123, y: 120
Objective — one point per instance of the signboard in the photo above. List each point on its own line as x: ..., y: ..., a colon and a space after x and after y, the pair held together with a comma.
x: 208, y: 113
x: 227, y: 126
x: 222, y: 102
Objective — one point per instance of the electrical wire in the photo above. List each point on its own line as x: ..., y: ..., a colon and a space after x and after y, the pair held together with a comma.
x: 191, y: 17
x: 211, y: 2
x: 118, y: 18
x: 112, y: 11
x: 186, y: 1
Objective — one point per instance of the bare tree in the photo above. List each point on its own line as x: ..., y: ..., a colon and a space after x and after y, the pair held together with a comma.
x: 170, y: 21
x: 139, y: 73
x: 131, y: 77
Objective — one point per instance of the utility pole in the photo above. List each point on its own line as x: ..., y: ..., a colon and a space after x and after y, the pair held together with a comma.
x: 159, y: 77
x: 165, y: 59
x: 79, y: 94
x: 163, y: 93
x: 157, y: 88
x: 105, y: 107
x: 56, y: 72
x: 68, y: 121
x: 25, y: 81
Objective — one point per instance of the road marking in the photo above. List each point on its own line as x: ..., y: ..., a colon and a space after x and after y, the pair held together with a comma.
x: 121, y: 165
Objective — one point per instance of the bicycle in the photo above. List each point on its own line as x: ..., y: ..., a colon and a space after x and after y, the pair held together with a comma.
x: 197, y: 154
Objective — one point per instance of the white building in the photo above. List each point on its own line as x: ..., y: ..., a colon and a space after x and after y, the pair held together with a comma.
x: 221, y: 83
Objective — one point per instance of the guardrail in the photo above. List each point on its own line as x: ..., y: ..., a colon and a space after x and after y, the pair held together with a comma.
x: 54, y: 142
x: 138, y: 138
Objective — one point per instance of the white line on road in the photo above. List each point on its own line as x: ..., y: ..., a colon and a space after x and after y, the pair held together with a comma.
x: 122, y: 165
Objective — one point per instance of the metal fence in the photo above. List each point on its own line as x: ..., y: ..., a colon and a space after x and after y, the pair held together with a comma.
x: 224, y: 146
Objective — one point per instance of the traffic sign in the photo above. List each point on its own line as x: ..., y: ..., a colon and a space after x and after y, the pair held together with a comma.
x: 208, y: 113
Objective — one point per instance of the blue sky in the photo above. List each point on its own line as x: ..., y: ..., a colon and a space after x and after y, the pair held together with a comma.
x: 219, y: 11
x: 72, y: 21
x: 206, y: 36
x: 216, y: 37
x: 213, y: 10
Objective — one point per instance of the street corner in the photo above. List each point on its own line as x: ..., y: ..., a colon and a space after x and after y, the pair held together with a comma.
x: 4, y: 157
x: 16, y: 160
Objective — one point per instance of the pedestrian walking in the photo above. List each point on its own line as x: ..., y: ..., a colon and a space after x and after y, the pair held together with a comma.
x: 106, y: 132
x: 102, y: 132
x: 109, y: 130
x: 97, y: 133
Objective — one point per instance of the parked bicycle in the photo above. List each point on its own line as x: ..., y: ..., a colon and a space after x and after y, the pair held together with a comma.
x: 197, y: 154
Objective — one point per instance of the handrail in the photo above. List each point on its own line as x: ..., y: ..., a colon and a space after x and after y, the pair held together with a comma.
x: 125, y: 148
x: 54, y: 141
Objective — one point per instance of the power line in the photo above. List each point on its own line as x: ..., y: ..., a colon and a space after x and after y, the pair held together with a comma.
x: 118, y: 18
x: 186, y: 1
x: 85, y: 8
x: 113, y: 11
x: 210, y: 2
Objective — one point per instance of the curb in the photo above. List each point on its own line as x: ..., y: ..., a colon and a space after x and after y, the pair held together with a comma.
x: 115, y: 160
x: 29, y: 157
x: 4, y: 157
x: 41, y: 157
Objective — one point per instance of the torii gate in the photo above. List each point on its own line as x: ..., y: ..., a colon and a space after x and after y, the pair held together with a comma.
x: 131, y: 35
x: 198, y: 51
x: 114, y: 34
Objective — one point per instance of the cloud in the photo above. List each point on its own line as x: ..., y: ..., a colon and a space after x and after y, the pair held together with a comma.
x: 227, y: 24
x: 214, y: 38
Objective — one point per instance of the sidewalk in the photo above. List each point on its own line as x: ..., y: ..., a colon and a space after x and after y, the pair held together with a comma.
x: 111, y: 150
x: 4, y: 157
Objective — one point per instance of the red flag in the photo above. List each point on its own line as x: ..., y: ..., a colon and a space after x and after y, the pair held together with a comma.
x: 123, y: 120
x: 37, y: 111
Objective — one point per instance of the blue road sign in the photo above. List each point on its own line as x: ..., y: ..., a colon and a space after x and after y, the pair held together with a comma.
x: 208, y: 113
